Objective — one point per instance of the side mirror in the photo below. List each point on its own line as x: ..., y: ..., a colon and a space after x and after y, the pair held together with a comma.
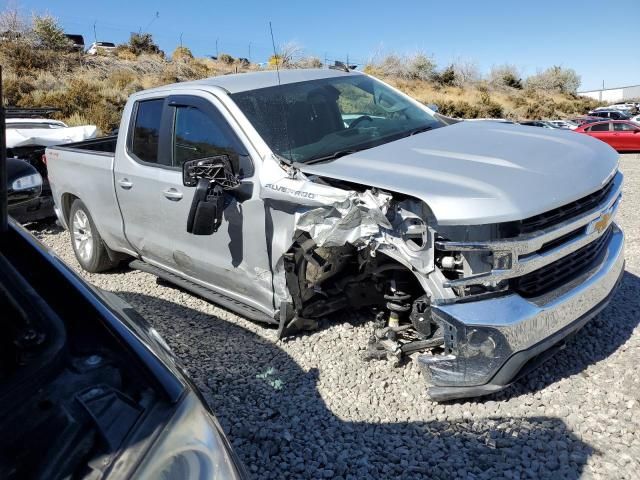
x: 211, y: 177
x: 24, y: 183
x: 216, y: 169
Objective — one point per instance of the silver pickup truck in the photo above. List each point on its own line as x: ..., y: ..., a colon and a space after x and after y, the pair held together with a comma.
x: 290, y: 196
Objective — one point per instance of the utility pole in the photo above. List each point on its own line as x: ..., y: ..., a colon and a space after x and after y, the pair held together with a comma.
x: 217, y: 53
x: 95, y: 35
x: 249, y: 57
x: 180, y: 39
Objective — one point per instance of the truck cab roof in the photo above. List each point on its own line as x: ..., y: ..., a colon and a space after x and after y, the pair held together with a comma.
x: 241, y: 82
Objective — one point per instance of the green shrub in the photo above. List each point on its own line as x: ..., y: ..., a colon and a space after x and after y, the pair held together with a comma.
x: 459, y: 109
x: 181, y: 53
x: 123, y: 52
x: 23, y: 59
x: 49, y: 34
x: 228, y: 59
x: 143, y: 43
x: 505, y: 76
x: 14, y: 89
x: 447, y: 77
x: 555, y: 78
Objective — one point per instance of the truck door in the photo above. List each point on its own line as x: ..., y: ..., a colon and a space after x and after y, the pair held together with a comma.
x: 155, y: 204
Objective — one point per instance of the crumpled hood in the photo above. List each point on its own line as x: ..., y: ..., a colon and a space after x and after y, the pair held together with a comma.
x: 482, y: 172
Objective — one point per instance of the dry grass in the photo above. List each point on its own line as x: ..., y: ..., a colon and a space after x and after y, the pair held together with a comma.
x: 484, y: 100
x: 94, y: 89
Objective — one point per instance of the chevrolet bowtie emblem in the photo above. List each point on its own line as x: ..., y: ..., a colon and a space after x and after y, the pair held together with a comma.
x: 601, y: 224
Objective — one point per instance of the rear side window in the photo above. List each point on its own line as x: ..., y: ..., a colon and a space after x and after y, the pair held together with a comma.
x: 198, y: 135
x: 146, y: 130
x: 600, y: 127
x: 623, y: 127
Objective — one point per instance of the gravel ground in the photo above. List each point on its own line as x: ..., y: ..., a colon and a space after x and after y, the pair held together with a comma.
x: 310, y: 408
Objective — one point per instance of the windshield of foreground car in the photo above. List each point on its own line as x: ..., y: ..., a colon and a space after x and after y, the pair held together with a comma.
x: 323, y: 119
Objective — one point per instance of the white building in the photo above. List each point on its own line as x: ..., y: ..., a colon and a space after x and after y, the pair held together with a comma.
x: 614, y: 95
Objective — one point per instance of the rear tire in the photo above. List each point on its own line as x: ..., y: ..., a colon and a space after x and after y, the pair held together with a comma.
x: 88, y: 246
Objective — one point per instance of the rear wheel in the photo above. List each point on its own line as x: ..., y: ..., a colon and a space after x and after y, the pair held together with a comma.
x: 90, y: 250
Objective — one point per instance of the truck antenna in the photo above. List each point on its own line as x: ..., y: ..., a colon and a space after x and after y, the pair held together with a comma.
x: 284, y: 102
x: 275, y: 53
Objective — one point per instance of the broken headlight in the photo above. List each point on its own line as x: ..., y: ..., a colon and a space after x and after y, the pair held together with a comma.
x: 471, y: 354
x: 191, y: 447
x: 461, y: 264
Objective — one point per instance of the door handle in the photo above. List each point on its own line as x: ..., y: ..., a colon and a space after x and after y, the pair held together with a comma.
x: 172, y: 194
x: 125, y: 183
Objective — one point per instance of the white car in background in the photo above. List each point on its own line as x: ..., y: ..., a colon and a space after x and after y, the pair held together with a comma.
x: 27, y: 132
x: 104, y: 47
x: 635, y: 119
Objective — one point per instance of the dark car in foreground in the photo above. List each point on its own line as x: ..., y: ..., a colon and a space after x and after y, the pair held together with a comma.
x: 88, y: 389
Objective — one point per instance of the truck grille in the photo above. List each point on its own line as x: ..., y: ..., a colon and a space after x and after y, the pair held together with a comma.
x: 562, y: 271
x: 565, y: 212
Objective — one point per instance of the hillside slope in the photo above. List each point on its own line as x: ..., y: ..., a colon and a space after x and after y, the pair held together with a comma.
x: 94, y: 90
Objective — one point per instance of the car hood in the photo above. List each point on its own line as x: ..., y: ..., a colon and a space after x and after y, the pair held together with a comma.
x: 478, y: 173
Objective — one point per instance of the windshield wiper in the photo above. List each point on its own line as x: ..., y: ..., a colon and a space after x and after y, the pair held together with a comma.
x: 332, y: 156
x: 342, y: 153
x: 419, y: 130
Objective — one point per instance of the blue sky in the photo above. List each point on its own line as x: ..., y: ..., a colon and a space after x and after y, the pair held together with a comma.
x: 598, y: 38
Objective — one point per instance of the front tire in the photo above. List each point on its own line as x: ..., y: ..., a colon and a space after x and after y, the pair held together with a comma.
x: 90, y: 250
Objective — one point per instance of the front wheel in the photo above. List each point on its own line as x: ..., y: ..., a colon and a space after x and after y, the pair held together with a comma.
x: 90, y: 250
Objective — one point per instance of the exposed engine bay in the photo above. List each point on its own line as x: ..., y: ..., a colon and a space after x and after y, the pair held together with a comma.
x: 363, y: 248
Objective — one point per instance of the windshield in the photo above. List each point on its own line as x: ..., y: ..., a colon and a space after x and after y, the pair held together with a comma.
x: 322, y: 119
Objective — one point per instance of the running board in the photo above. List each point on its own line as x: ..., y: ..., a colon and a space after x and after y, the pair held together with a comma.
x: 215, y: 297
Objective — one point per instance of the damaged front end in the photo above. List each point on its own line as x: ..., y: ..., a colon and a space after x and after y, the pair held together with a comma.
x: 353, y: 248
x: 483, y: 304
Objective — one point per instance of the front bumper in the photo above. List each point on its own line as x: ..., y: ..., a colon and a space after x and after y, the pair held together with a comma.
x: 492, y: 342
x: 34, y: 210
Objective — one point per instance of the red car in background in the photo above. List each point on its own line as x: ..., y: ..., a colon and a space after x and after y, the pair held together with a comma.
x: 622, y: 135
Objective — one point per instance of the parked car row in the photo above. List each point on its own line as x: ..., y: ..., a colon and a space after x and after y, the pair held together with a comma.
x: 28, y: 132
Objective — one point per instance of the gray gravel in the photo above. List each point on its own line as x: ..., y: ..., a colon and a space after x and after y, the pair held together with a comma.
x: 310, y: 408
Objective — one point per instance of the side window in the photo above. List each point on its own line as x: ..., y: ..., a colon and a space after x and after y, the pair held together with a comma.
x: 600, y: 127
x: 198, y: 135
x: 623, y: 127
x: 146, y: 130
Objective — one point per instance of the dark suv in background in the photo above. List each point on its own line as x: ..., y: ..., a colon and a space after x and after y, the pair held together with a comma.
x: 610, y: 114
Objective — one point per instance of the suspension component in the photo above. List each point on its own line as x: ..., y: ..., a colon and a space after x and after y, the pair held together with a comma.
x: 397, y: 305
x: 421, y: 316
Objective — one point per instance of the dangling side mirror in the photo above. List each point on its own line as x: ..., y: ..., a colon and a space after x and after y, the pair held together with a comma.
x: 211, y: 177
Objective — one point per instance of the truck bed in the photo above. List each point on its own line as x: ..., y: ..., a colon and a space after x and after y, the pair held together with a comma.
x: 85, y: 170
x: 97, y: 145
